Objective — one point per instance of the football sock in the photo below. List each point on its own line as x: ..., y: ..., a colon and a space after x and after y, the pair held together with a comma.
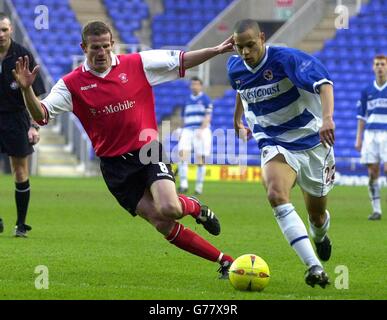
x: 183, y: 172
x: 318, y: 233
x: 189, y: 241
x: 374, y: 193
x: 201, y: 173
x: 189, y: 206
x: 22, y: 197
x: 295, y: 232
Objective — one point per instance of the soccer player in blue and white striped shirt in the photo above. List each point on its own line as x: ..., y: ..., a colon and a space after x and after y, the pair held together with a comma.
x: 372, y: 121
x: 286, y: 96
x: 196, y: 135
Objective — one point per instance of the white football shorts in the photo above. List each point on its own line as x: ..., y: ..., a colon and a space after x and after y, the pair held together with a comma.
x: 374, y: 149
x: 201, y: 144
x: 315, y: 168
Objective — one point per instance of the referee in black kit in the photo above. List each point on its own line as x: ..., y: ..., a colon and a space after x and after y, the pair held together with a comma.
x: 18, y: 133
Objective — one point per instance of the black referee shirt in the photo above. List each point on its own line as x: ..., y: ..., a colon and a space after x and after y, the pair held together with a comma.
x: 11, y: 99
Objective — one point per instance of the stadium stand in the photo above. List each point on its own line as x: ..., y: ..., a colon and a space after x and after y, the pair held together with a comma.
x: 118, y: 10
x: 348, y: 56
x: 183, y: 19
x: 57, y: 43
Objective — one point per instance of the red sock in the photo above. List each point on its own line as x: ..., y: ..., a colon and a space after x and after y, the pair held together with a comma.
x: 189, y: 241
x: 189, y: 206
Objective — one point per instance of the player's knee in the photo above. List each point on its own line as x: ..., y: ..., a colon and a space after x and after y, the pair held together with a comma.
x: 171, y: 210
x: 20, y: 175
x: 276, y: 197
x: 163, y: 226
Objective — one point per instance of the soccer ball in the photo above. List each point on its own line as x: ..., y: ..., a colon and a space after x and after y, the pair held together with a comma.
x: 249, y: 273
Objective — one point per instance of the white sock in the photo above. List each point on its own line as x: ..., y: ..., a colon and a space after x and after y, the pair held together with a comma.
x: 201, y: 174
x: 295, y: 232
x: 183, y: 172
x: 318, y: 234
x: 374, y: 193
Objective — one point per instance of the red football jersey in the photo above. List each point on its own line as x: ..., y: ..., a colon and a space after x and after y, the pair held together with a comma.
x: 116, y: 109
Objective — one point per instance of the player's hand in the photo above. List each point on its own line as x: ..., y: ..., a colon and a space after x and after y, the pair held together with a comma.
x: 242, y: 132
x: 327, y: 133
x: 226, y: 46
x: 33, y: 136
x: 22, y: 74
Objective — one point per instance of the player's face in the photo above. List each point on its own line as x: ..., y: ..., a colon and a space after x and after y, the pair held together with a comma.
x: 250, y: 46
x: 196, y: 87
x: 97, y: 50
x: 5, y: 33
x: 380, y: 68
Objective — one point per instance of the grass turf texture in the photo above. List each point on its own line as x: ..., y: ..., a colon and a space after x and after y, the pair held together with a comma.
x: 95, y: 250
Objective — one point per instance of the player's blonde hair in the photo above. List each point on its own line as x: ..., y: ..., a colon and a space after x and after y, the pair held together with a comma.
x: 95, y: 28
x: 380, y: 57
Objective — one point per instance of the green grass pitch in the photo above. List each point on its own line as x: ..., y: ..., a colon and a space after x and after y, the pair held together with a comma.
x: 93, y: 249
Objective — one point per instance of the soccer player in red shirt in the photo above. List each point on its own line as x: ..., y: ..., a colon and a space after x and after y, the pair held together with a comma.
x: 112, y: 97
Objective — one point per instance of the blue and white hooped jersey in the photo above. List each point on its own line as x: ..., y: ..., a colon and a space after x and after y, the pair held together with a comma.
x: 280, y: 97
x: 372, y: 107
x: 195, y: 109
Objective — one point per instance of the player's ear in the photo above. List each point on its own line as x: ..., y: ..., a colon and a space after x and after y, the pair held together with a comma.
x: 83, y: 47
x: 262, y: 36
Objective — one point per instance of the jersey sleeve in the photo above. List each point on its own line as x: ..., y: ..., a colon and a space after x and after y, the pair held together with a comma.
x: 58, y: 101
x: 305, y: 71
x: 209, y: 106
x: 362, y: 106
x: 162, y: 65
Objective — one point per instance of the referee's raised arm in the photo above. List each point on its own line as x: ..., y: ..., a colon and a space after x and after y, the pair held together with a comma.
x: 25, y: 78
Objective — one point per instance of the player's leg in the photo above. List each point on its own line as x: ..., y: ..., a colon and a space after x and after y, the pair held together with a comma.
x: 279, y: 178
x: 202, y: 149
x: 184, y: 148
x: 20, y: 171
x: 373, y: 150
x: 179, y: 235
x: 316, y: 178
x: 200, y: 174
x: 374, y: 190
x: 319, y: 222
x: 174, y: 206
x: 14, y: 128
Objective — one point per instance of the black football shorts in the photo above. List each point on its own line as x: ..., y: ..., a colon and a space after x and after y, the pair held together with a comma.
x: 127, y: 177
x: 14, y: 128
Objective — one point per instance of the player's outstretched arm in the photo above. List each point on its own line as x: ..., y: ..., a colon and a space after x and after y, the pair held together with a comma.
x: 327, y: 131
x: 196, y: 57
x: 25, y: 78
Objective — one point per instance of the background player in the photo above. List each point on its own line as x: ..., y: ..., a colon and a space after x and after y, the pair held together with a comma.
x: 372, y: 121
x: 196, y: 135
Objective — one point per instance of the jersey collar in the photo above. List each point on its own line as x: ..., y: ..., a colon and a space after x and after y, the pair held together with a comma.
x: 197, y: 96
x: 263, y: 61
x: 115, y: 61
x: 380, y: 88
